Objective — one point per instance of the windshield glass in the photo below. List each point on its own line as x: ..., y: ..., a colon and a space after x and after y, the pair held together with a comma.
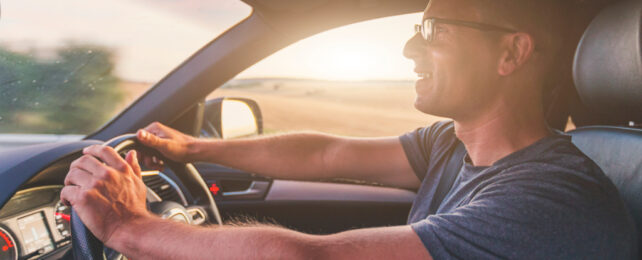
x: 69, y: 66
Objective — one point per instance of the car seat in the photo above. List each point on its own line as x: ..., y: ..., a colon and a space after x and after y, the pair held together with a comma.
x: 608, y: 77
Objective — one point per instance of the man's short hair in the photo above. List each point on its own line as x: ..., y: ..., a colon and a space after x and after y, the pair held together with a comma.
x: 556, y: 26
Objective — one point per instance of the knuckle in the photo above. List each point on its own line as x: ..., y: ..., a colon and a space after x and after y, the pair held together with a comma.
x: 83, y: 196
x: 84, y: 159
x: 74, y: 164
x: 69, y: 177
x: 77, y: 162
x: 64, y: 192
x: 103, y: 149
x: 101, y: 173
x: 108, y: 175
x: 121, y: 167
x: 91, y: 148
x: 97, y: 184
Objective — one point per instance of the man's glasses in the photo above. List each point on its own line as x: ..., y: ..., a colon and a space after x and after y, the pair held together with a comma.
x: 427, y: 29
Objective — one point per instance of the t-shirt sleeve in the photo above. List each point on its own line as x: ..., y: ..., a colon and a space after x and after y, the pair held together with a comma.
x: 418, y: 146
x: 518, y: 219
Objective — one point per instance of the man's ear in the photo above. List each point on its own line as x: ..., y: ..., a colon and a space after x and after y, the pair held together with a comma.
x: 517, y: 50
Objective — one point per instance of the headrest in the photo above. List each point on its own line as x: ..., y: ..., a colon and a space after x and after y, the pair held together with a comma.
x: 608, y: 63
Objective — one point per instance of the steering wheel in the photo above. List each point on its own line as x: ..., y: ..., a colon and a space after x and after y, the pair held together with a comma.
x: 86, y: 246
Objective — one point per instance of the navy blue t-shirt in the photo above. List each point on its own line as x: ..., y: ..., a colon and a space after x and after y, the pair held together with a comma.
x: 546, y: 201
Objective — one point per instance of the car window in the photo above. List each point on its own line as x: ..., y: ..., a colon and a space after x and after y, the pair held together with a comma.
x: 351, y: 80
x: 69, y: 66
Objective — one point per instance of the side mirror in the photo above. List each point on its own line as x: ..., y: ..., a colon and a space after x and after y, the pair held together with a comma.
x: 231, y: 117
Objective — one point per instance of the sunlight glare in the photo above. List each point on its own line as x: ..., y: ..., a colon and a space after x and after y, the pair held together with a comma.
x: 370, y: 50
x: 237, y: 119
x: 350, y: 62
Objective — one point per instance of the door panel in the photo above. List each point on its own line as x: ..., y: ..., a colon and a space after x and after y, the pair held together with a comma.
x: 283, y: 190
x: 312, y: 207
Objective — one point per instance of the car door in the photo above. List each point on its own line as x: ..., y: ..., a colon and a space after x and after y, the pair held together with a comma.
x: 312, y: 207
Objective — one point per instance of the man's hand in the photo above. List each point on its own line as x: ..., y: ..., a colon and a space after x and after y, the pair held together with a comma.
x: 171, y: 143
x: 107, y: 196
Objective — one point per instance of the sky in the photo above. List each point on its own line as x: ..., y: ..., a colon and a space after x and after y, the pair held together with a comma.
x: 368, y: 50
x: 152, y: 37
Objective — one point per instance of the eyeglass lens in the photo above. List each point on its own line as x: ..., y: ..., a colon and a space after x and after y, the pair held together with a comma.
x: 427, y: 30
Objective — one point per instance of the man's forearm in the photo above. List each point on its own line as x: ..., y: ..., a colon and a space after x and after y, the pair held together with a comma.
x: 312, y: 156
x: 292, y: 156
x: 155, y: 238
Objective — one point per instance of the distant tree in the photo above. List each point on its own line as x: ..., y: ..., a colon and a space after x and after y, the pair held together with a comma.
x: 72, y: 93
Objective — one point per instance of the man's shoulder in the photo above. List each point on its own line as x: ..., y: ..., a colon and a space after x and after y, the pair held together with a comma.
x: 560, y: 174
x: 445, y: 128
x: 428, y: 145
x: 441, y: 133
x: 557, y: 167
x: 557, y: 155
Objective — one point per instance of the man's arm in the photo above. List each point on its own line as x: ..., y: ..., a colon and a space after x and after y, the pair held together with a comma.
x: 109, y: 196
x: 301, y: 156
x: 153, y: 238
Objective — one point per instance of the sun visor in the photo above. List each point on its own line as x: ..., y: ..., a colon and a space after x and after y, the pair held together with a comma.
x: 608, y: 64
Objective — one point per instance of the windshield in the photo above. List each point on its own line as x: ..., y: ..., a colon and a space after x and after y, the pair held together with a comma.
x: 69, y: 66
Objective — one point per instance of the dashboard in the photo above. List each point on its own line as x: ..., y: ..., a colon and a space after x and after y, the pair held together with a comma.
x: 34, y: 224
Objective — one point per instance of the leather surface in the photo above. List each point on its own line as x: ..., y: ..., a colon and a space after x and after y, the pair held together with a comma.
x: 618, y: 151
x: 84, y: 244
x: 608, y: 64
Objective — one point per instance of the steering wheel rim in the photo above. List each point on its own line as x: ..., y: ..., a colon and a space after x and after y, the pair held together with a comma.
x: 86, y: 246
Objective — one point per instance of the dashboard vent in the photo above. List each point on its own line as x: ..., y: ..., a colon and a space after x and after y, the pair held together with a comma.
x: 162, y: 188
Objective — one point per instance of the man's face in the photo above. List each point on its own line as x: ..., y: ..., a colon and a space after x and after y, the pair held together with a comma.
x: 459, y: 67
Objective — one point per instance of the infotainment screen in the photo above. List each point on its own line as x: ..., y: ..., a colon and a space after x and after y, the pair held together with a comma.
x: 35, y: 235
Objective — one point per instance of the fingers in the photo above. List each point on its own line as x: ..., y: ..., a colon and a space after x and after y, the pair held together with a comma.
x: 89, y: 164
x: 151, y: 162
x: 69, y: 195
x: 154, y: 125
x: 107, y: 155
x: 132, y: 160
x: 78, y: 177
x: 150, y: 139
x: 158, y: 130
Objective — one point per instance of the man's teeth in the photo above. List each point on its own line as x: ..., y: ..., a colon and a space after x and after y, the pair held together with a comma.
x: 424, y: 75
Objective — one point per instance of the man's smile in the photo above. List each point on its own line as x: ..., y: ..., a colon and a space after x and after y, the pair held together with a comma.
x: 424, y: 82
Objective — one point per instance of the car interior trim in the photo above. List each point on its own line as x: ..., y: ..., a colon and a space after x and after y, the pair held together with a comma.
x: 22, y: 164
x: 286, y: 190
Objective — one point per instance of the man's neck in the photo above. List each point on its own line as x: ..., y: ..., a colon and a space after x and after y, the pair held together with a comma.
x: 499, y: 132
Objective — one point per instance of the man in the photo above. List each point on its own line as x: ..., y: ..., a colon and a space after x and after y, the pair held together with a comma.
x: 522, y: 190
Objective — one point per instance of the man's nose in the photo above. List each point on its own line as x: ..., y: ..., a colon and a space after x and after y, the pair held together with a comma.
x: 414, y: 47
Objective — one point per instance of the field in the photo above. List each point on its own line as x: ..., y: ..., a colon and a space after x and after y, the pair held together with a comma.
x: 364, y: 109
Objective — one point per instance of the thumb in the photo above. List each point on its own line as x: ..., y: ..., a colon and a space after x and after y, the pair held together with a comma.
x: 132, y: 160
x: 150, y: 139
